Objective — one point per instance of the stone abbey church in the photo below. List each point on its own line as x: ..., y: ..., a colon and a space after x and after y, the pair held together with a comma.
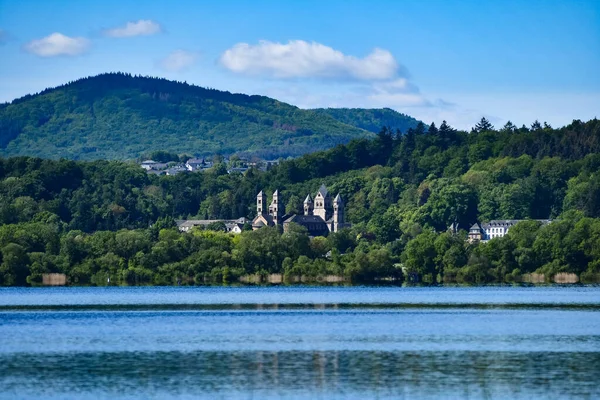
x: 321, y: 215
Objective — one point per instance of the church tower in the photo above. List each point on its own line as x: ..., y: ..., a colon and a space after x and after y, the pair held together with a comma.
x: 323, y: 204
x: 275, y: 209
x: 308, y: 205
x: 338, y: 213
x: 261, y: 200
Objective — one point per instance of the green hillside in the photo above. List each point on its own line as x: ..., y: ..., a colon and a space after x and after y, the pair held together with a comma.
x: 94, y: 219
x: 370, y: 119
x: 119, y: 116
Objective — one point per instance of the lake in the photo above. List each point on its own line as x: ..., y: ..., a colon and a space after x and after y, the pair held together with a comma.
x: 300, y: 342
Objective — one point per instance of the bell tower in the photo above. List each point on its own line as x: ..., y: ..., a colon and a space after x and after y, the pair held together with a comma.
x: 338, y: 213
x: 275, y: 209
x: 323, y: 204
x: 308, y: 205
x: 261, y: 199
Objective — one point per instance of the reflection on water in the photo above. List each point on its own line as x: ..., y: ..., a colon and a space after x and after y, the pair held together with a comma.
x: 342, y: 374
x: 272, y: 343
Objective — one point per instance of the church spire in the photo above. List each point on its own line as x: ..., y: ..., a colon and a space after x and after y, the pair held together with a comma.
x: 275, y: 208
x: 308, y: 205
x: 338, y: 213
x: 323, y: 191
x: 261, y: 199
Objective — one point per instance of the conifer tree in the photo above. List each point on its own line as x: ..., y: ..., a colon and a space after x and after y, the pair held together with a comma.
x: 509, y: 127
x: 483, y: 126
x: 446, y: 133
x: 433, y: 130
x: 536, y: 126
x: 420, y: 129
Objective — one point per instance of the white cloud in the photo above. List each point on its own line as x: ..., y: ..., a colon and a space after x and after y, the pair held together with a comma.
x: 325, y: 77
x: 400, y: 85
x: 300, y: 59
x: 58, y: 44
x: 398, y: 100
x: 143, y: 27
x: 339, y: 95
x: 377, y: 80
x: 396, y: 94
x: 178, y: 60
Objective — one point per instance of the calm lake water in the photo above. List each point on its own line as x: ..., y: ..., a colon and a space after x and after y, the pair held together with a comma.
x: 300, y: 342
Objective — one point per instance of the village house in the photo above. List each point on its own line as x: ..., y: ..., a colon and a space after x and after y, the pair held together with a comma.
x: 150, y: 165
x: 233, y: 226
x: 495, y: 228
x: 197, y: 164
x: 321, y: 216
x: 176, y: 169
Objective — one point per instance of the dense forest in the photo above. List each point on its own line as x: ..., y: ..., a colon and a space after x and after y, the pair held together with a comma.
x: 403, y: 190
x: 370, y: 119
x: 118, y: 116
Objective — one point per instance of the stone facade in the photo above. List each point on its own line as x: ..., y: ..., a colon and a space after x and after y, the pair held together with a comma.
x: 231, y: 225
x: 495, y: 228
x: 321, y: 215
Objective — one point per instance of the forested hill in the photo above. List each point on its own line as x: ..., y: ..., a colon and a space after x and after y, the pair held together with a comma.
x: 91, y: 220
x: 370, y: 119
x: 119, y: 116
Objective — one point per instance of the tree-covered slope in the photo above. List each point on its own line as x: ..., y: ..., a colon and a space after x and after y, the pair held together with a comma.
x: 93, y: 219
x: 370, y: 119
x: 119, y: 116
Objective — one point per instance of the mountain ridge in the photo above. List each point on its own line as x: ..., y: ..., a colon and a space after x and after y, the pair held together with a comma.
x: 371, y: 119
x: 120, y: 116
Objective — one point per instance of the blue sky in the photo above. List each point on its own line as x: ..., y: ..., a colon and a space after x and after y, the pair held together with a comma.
x: 435, y: 60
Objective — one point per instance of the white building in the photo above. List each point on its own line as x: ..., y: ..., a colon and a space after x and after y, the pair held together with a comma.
x: 233, y: 226
x: 194, y: 164
x: 495, y: 228
x: 150, y: 165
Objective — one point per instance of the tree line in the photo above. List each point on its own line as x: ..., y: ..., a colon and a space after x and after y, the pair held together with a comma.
x: 402, y: 191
